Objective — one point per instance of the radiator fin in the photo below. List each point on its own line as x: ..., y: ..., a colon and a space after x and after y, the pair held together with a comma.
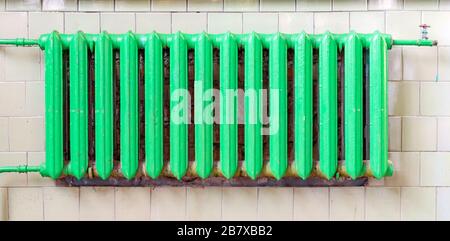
x: 203, y: 101
x: 54, y: 106
x: 78, y: 85
x: 228, y: 105
x: 104, y: 106
x: 253, y: 144
x: 154, y: 116
x: 353, y: 107
x: 278, y: 106
x: 178, y: 103
x: 378, y: 106
x: 303, y: 106
x: 328, y: 106
x: 129, y: 103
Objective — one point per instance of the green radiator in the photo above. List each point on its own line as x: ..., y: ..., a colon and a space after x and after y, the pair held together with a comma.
x: 78, y: 47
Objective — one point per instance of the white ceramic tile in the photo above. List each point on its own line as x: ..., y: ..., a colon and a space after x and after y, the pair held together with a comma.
x: 404, y: 98
x: 14, y: 95
x: 86, y: 22
x: 421, y: 4
x: 132, y: 203
x: 419, y: 134
x: 418, y: 203
x: 346, y: 203
x: 4, y: 135
x: 44, y: 23
x: 168, y: 203
x: 382, y: 203
x: 314, y: 5
x: 432, y: 97
x: 296, y: 22
x: 3, y: 204
x: 442, y: 203
x: 27, y: 134
x: 260, y: 22
x: 149, y: 22
x: 17, y: 30
x: 277, y: 6
x: 335, y: 22
x: 169, y: 5
x: 17, y: 59
x: 25, y: 204
x: 367, y: 22
x: 241, y: 5
x: 34, y: 98
x: 275, y: 203
x: 385, y: 4
x: 189, y: 22
x: 444, y: 62
x: 434, y: 168
x: 132, y: 6
x: 240, y: 203
x: 444, y: 4
x: 61, y: 203
x: 311, y: 203
x: 224, y: 22
x: 442, y: 132
x: 97, y: 203
x: 23, y: 5
x: 118, y: 22
x: 204, y: 203
x: 395, y: 24
x: 420, y: 63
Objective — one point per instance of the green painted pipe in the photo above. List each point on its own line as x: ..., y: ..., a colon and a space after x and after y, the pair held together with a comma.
x: 378, y: 106
x: 418, y: 42
x: 20, y: 42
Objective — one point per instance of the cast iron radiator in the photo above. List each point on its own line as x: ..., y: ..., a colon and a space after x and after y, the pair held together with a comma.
x: 109, y: 114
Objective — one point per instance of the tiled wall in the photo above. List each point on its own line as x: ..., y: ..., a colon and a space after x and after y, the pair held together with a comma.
x: 419, y: 93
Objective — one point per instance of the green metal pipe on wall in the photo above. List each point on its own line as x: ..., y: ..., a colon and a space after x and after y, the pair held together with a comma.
x: 103, y: 45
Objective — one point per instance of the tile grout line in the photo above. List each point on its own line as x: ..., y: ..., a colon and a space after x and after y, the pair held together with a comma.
x: 329, y: 202
x: 293, y: 204
x: 79, y: 203
x: 43, y: 206
x: 435, y: 203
